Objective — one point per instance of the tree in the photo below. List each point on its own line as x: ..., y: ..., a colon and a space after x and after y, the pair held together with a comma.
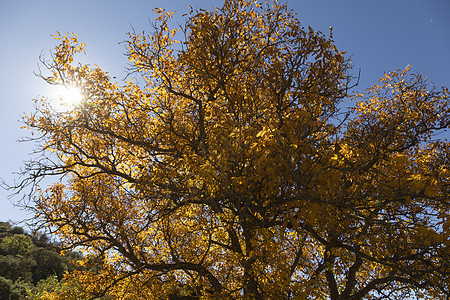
x: 30, y: 265
x: 231, y: 170
x: 15, y: 261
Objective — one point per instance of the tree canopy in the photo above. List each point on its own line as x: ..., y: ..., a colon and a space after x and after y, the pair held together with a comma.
x: 229, y: 167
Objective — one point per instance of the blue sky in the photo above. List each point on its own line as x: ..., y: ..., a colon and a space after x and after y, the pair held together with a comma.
x: 379, y: 36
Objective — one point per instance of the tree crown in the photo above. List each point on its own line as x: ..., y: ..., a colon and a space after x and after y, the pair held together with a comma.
x: 232, y: 172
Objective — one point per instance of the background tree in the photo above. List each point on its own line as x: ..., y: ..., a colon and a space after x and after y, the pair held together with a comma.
x: 29, y: 264
x: 230, y: 171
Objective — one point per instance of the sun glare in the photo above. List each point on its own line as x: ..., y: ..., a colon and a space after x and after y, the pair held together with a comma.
x: 70, y: 95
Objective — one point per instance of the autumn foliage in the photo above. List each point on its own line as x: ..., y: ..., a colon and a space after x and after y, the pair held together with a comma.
x: 230, y: 169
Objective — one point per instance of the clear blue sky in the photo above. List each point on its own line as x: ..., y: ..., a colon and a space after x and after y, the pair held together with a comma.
x: 379, y: 35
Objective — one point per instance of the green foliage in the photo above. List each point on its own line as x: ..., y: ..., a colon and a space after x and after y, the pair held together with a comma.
x: 48, y: 263
x: 44, y: 286
x: 18, y: 244
x: 5, y: 288
x: 30, y: 265
x: 19, y: 290
x: 13, y: 290
x: 14, y: 267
